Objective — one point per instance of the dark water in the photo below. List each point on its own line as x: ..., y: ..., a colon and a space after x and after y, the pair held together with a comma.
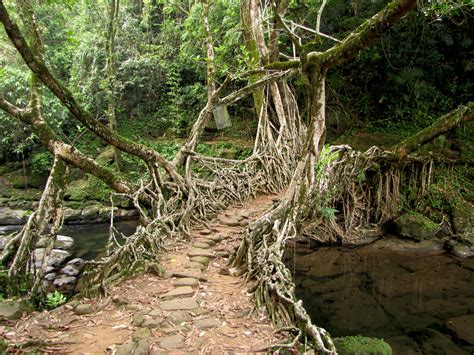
x: 420, y: 304
x: 89, y: 239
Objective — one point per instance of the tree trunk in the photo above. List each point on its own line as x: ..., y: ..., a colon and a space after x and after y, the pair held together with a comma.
x: 111, y: 72
x: 451, y: 120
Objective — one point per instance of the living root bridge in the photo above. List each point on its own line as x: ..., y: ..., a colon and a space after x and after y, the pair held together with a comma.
x: 354, y: 193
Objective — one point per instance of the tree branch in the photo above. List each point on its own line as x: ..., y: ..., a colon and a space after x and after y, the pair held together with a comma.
x: 451, y: 120
x: 364, y: 35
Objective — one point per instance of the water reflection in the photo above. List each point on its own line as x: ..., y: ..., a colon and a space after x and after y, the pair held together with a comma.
x: 411, y: 300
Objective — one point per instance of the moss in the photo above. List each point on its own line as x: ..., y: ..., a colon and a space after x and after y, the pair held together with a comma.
x: 87, y: 189
x: 359, y: 345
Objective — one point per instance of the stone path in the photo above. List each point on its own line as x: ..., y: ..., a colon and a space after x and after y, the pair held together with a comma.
x: 202, y: 305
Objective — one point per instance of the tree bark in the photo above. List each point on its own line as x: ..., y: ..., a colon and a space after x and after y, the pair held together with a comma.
x: 451, y: 120
x: 111, y: 72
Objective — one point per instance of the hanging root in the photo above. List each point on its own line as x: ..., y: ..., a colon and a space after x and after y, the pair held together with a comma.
x: 168, y: 209
x: 353, y: 192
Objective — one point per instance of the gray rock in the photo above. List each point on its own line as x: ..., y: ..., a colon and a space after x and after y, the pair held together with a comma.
x: 217, y: 238
x: 141, y: 347
x: 195, y: 265
x: 14, y: 308
x: 201, y: 245
x: 463, y: 327
x: 205, y: 232
x: 179, y: 304
x: 138, y: 319
x: 200, y: 252
x: 141, y: 334
x: 186, y: 282
x: 65, y: 283
x: 200, y: 259
x: 72, y: 215
x: 223, y: 253
x: 91, y: 212
x: 463, y: 250
x: 125, y: 349
x: 78, y: 263
x: 62, y: 242
x: 50, y: 277
x: 408, y: 246
x: 416, y: 226
x: 179, y: 292
x: 69, y: 270
x: 207, y: 323
x: 231, y: 222
x: 178, y: 317
x: 9, y: 216
x: 133, y: 307
x: 190, y: 274
x: 172, y: 342
x: 56, y: 258
x: 84, y: 308
x: 152, y: 323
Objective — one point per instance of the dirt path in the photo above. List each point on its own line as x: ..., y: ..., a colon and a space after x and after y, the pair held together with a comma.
x: 201, y: 307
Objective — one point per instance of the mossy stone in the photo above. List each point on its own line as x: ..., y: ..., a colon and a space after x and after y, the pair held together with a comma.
x: 416, y: 226
x: 359, y: 345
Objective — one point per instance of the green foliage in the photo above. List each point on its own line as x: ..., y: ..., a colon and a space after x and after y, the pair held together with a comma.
x: 41, y: 163
x: 54, y: 300
x: 357, y: 345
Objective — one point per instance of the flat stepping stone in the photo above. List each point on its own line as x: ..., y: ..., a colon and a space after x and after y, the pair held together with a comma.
x: 180, y: 304
x: 200, y: 259
x: 207, y: 323
x: 186, y: 282
x: 217, y: 238
x: 233, y: 216
x: 190, y: 274
x: 200, y: 252
x: 195, y: 265
x: 152, y: 323
x: 205, y: 232
x: 245, y: 214
x: 179, y: 317
x: 231, y: 222
x: 201, y: 245
x: 244, y: 223
x: 172, y: 342
x: 183, y: 291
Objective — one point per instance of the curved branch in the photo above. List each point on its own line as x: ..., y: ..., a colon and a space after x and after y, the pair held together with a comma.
x: 451, y: 120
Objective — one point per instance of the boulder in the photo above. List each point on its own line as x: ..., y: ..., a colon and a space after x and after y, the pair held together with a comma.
x: 463, y: 217
x: 69, y: 270
x: 14, y: 308
x: 65, y: 283
x: 62, y: 242
x: 78, y: 263
x: 91, y: 213
x: 416, y: 226
x: 84, y: 308
x: 56, y: 258
x: 72, y: 215
x: 9, y: 216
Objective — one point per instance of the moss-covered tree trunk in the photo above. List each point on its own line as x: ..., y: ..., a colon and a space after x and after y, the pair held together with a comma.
x: 111, y: 72
x: 451, y: 120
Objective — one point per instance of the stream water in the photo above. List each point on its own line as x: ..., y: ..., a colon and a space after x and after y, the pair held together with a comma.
x: 89, y: 239
x: 419, y: 303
